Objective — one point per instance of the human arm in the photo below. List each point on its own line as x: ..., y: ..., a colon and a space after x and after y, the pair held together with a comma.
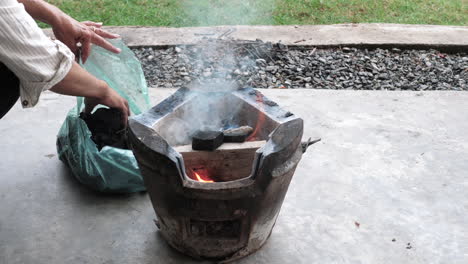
x: 68, y: 30
x: 41, y: 64
x: 78, y: 82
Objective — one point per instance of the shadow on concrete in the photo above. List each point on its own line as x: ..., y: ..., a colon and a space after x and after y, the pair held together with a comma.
x: 159, y: 251
x: 85, y: 195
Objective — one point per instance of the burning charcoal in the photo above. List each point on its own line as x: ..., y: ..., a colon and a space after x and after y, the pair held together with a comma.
x: 238, y: 134
x: 207, y: 140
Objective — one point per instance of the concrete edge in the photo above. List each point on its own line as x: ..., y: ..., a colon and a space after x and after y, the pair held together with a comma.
x: 447, y: 38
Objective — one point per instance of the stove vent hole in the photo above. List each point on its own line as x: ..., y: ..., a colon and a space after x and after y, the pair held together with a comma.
x: 229, y: 229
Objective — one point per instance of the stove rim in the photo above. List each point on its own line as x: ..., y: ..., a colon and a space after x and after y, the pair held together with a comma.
x: 148, y: 120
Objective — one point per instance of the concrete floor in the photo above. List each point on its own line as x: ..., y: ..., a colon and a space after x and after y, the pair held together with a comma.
x: 391, y: 166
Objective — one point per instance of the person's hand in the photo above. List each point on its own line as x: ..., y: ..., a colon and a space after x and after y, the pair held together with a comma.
x: 111, y: 99
x: 68, y: 30
x: 72, y: 32
x: 79, y: 82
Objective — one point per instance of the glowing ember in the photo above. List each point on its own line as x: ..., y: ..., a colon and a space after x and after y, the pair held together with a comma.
x: 200, y: 179
x: 260, y: 120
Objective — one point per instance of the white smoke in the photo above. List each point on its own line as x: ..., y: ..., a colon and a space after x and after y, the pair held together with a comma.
x: 218, y: 67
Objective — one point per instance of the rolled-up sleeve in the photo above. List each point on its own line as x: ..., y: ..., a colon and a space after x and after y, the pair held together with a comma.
x: 38, y: 62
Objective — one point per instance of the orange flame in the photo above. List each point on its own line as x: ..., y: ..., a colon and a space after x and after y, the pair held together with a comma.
x: 200, y: 179
x: 260, y: 120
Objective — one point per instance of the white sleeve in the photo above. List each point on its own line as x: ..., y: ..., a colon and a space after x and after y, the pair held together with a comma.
x: 38, y: 62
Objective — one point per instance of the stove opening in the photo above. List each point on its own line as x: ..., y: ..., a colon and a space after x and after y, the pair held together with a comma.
x: 230, y: 162
x: 229, y: 229
x: 199, y: 174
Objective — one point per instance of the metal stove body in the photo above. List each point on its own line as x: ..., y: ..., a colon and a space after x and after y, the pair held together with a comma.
x: 232, y: 217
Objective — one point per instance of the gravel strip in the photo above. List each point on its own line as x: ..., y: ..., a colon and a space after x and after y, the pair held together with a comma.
x: 267, y: 65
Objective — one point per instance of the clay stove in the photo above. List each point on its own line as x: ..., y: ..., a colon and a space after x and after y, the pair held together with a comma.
x: 221, y: 204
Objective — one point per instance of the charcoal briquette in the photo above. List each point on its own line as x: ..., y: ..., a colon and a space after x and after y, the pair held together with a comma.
x: 238, y: 134
x: 207, y: 140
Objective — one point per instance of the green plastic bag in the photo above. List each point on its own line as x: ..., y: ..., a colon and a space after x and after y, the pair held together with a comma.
x: 111, y: 169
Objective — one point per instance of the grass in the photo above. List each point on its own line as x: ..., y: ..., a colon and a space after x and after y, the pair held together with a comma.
x: 180, y: 13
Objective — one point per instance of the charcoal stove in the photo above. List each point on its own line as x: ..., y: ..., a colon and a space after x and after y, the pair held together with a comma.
x: 221, y: 204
